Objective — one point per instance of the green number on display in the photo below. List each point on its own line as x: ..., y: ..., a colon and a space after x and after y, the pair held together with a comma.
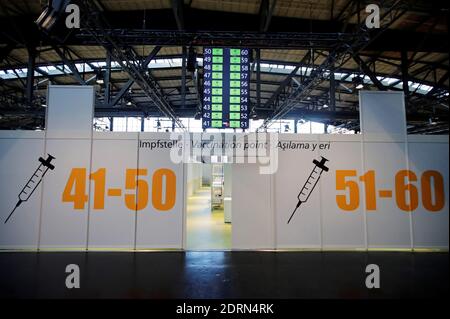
x: 235, y: 51
x: 236, y: 60
x: 217, y: 83
x: 235, y: 92
x: 223, y: 107
x: 235, y: 123
x: 216, y: 124
x: 235, y: 99
x: 234, y: 108
x: 216, y: 115
x: 235, y: 116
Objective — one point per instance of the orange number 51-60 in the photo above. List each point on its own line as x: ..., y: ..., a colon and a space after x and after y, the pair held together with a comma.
x: 406, y: 193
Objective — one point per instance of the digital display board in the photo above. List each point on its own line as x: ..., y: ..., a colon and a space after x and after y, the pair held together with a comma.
x: 226, y: 88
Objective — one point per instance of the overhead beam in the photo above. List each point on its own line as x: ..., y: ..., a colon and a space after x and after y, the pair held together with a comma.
x: 439, y: 84
x: 367, y: 71
x: 70, y: 65
x: 319, y: 115
x: 340, y: 53
x: 123, y: 54
x: 200, y: 20
x: 288, y: 79
x: 126, y: 87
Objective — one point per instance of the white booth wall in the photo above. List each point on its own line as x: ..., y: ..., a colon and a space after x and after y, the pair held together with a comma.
x: 261, y: 203
x: 194, y: 177
x: 206, y: 174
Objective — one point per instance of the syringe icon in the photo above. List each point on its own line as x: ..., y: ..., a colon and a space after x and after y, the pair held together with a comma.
x: 310, y: 183
x: 33, y: 182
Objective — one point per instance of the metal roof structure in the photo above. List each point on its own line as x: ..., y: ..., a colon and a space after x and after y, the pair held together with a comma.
x: 309, y: 57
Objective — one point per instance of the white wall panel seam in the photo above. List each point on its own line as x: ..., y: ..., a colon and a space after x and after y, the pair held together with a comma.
x: 42, y: 199
x: 135, y: 210
x: 272, y: 211
x: 275, y: 212
x: 89, y: 192
x: 363, y: 164
x: 184, y: 207
x: 411, y: 226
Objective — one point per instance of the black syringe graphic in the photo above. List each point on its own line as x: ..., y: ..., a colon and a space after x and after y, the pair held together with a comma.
x: 33, y: 182
x: 310, y: 183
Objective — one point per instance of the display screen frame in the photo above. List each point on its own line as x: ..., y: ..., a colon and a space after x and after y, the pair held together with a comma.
x: 226, y: 88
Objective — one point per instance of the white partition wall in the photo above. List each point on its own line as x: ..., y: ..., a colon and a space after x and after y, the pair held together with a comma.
x: 62, y: 224
x: 295, y: 165
x: 70, y: 112
x: 19, y: 154
x: 341, y: 229
x: 112, y: 224
x: 252, y: 209
x: 387, y: 224
x: 160, y: 223
x: 380, y: 189
x: 428, y: 158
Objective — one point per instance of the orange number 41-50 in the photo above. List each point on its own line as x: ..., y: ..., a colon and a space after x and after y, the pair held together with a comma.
x: 163, y: 189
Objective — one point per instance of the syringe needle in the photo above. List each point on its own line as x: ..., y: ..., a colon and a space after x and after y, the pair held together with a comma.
x: 17, y: 205
x: 296, y: 207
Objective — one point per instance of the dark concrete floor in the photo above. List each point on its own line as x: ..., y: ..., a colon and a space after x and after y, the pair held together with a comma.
x: 224, y: 275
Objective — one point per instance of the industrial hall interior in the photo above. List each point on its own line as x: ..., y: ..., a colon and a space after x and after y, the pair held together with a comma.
x: 224, y: 150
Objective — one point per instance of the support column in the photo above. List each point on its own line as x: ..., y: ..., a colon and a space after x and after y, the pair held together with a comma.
x: 258, y: 78
x: 183, y: 78
x: 108, y: 79
x: 30, y: 75
x: 404, y: 67
x: 332, y: 90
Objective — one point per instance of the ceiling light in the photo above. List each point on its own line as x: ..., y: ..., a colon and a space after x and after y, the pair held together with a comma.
x: 51, y: 14
x: 359, y: 86
x: 325, y: 106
